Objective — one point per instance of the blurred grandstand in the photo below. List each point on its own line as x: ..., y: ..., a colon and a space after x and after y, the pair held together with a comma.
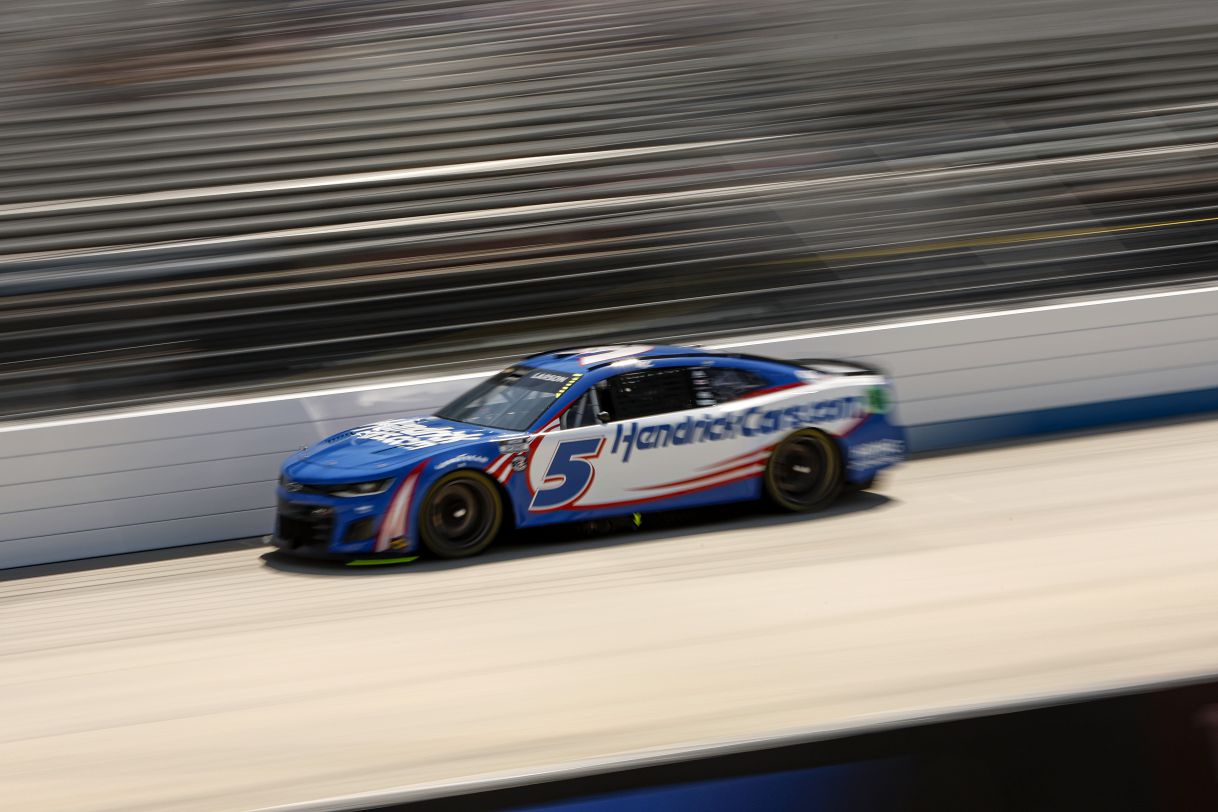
x: 215, y: 195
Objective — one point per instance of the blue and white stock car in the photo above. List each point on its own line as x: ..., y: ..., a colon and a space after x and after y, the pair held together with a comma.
x: 586, y: 434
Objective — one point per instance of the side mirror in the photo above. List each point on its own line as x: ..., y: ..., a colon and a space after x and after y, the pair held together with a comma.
x: 602, y: 416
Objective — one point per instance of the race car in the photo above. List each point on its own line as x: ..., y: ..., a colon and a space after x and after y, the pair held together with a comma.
x: 589, y: 434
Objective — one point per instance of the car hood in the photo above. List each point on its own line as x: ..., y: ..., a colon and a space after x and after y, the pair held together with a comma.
x: 380, y: 449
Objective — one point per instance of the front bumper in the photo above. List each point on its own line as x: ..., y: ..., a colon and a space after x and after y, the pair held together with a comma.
x: 322, y: 552
x: 317, y: 526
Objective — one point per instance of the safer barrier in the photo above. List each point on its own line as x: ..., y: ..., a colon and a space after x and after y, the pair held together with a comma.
x: 190, y: 473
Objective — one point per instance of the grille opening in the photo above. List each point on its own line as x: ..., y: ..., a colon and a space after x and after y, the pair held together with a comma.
x: 301, y: 525
x: 361, y: 530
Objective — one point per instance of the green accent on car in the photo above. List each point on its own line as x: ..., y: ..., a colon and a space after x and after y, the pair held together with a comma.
x: 373, y: 562
x: 878, y: 401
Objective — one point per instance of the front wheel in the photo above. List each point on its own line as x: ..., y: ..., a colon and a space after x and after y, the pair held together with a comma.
x: 804, y: 472
x: 460, y: 515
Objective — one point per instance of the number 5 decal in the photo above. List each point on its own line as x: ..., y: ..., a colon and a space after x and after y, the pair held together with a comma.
x: 569, y: 474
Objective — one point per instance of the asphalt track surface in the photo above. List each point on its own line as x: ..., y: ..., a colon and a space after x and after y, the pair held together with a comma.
x: 234, y: 681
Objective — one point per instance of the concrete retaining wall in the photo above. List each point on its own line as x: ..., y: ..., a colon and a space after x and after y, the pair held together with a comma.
x: 190, y: 473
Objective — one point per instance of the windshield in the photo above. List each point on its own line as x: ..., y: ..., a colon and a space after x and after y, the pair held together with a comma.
x: 512, y: 400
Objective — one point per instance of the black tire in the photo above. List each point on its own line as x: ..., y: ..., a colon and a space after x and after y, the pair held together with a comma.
x: 461, y: 515
x: 804, y: 472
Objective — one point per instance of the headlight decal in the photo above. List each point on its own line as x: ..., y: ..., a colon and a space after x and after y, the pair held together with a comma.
x: 371, y: 488
x: 346, y: 490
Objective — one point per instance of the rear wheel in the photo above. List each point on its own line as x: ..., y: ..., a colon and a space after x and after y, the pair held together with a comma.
x: 804, y: 472
x: 461, y: 515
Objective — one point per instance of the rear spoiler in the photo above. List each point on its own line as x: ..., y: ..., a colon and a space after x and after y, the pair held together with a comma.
x: 825, y: 366
x: 830, y: 366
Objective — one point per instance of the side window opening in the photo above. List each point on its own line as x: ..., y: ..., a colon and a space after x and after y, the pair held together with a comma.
x: 583, y: 412
x: 646, y: 392
x: 714, y: 385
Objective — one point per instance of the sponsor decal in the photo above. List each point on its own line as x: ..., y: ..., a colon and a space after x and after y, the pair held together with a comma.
x: 473, y: 459
x: 520, y: 462
x: 514, y: 445
x: 342, y: 435
x: 876, y: 454
x: 703, y: 396
x: 756, y: 421
x: 549, y: 376
x: 878, y: 401
x: 411, y: 434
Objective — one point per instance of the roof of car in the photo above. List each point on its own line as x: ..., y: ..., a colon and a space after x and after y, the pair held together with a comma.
x: 583, y: 359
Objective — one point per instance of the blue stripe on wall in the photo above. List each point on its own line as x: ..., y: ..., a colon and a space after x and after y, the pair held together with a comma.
x: 952, y: 433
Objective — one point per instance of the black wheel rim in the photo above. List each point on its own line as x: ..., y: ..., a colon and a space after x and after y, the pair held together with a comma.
x: 461, y: 514
x: 799, y: 471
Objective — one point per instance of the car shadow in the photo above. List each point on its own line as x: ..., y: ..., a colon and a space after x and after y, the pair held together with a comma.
x: 553, y: 540
x: 570, y: 538
x: 97, y: 563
